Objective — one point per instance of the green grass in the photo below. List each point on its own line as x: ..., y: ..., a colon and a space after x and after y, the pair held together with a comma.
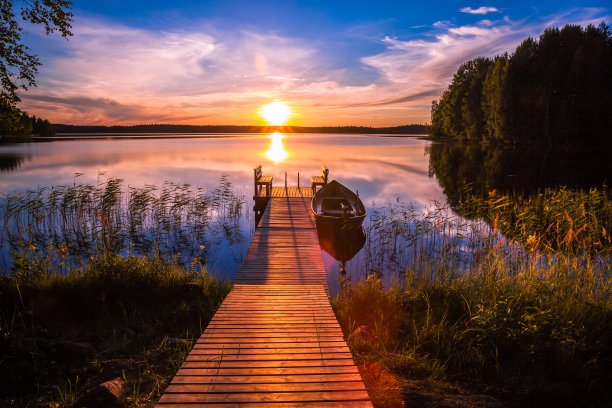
x: 130, y: 317
x: 527, y: 325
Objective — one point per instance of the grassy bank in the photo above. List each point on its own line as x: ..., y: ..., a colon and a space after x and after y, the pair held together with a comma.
x: 106, y: 283
x: 474, y: 312
x: 127, y: 317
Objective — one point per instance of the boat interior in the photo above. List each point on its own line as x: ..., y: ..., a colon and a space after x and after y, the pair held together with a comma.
x: 337, y: 207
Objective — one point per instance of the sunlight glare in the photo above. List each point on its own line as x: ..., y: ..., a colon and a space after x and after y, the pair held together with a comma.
x: 276, y: 152
x: 275, y: 113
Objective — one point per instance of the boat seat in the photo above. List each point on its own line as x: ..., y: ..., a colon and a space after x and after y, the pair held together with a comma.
x: 339, y: 213
x: 334, y: 203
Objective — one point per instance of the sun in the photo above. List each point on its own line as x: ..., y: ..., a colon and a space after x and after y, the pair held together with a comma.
x: 275, y: 113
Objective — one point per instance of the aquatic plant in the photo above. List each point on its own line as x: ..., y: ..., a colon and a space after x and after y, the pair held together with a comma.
x: 447, y: 298
x: 552, y: 220
x: 52, y: 227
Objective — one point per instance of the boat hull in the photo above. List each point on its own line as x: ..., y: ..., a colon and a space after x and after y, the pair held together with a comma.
x: 339, y: 214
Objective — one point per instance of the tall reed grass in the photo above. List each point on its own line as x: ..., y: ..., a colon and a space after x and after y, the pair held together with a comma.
x: 553, y: 220
x: 52, y: 228
x: 471, y: 305
x: 103, y: 282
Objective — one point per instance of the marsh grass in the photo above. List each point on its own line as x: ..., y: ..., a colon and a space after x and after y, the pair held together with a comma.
x: 470, y: 306
x: 130, y: 317
x: 104, y: 283
x: 51, y: 229
x: 553, y: 220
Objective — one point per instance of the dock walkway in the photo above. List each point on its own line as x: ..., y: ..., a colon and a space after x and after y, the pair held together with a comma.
x: 275, y: 340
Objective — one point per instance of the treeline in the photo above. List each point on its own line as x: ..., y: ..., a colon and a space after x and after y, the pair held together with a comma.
x: 555, y: 91
x: 166, y: 128
x: 31, y: 125
x: 26, y: 125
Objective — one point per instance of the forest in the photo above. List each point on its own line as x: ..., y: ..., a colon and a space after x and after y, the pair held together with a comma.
x: 552, y: 91
x: 170, y: 128
x: 26, y: 125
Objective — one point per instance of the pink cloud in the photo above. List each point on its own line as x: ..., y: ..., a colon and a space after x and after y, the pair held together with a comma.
x: 114, y: 74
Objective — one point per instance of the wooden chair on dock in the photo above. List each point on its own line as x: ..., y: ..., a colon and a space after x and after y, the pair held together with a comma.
x: 262, y: 181
x: 319, y: 180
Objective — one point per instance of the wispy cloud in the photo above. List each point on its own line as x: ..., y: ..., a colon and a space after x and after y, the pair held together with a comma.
x: 442, y: 24
x: 110, y: 73
x: 479, y: 10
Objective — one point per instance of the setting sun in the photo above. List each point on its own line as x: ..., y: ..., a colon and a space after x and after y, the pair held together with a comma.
x: 275, y: 113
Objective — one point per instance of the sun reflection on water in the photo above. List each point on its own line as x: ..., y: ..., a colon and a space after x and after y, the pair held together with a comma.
x: 276, y: 152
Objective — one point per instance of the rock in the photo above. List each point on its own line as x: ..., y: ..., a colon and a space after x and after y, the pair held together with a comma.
x: 105, y: 395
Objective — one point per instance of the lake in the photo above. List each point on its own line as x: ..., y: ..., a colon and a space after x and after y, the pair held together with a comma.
x: 381, y: 168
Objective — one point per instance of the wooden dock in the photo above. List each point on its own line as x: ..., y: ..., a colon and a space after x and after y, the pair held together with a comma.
x: 275, y: 341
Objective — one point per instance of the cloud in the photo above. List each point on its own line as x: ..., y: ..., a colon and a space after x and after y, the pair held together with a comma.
x: 115, y: 74
x: 126, y: 74
x: 479, y: 10
x: 442, y: 24
x: 422, y: 68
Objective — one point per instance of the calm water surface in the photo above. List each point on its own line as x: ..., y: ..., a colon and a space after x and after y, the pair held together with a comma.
x: 379, y: 168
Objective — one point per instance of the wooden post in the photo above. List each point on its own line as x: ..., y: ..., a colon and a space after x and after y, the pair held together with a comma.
x: 285, y: 182
x: 298, y: 181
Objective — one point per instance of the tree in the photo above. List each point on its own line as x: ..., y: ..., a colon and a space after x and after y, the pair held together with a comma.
x: 496, y: 104
x: 551, y: 91
x: 18, y: 65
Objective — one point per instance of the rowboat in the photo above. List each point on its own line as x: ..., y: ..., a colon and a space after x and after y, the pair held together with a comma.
x: 339, y: 214
x: 336, y: 204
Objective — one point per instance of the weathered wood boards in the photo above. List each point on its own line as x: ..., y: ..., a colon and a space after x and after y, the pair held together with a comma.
x: 291, y: 192
x: 275, y: 341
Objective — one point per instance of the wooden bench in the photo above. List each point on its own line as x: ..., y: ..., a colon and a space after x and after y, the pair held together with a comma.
x: 319, y: 180
x: 261, y: 181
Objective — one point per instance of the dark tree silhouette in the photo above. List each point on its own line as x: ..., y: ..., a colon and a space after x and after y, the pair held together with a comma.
x: 554, y: 91
x: 18, y: 66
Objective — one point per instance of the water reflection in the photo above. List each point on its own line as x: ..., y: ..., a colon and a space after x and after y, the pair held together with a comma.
x: 342, y: 242
x: 477, y: 169
x: 380, y: 168
x: 276, y: 152
x: 10, y: 161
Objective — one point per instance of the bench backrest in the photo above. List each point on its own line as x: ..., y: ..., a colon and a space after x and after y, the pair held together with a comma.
x: 257, y: 172
x: 325, y: 172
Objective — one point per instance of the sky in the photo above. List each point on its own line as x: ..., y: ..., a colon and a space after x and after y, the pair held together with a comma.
x: 334, y: 62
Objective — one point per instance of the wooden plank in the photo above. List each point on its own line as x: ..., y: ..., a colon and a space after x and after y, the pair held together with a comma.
x: 320, y: 365
x: 275, y: 340
x: 274, y: 387
x: 264, y: 379
x: 348, y: 369
x: 313, y: 396
x: 294, y: 404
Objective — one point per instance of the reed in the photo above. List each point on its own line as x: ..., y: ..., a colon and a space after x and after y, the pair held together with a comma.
x: 48, y: 230
x: 472, y: 306
x: 553, y: 220
x: 106, y: 282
